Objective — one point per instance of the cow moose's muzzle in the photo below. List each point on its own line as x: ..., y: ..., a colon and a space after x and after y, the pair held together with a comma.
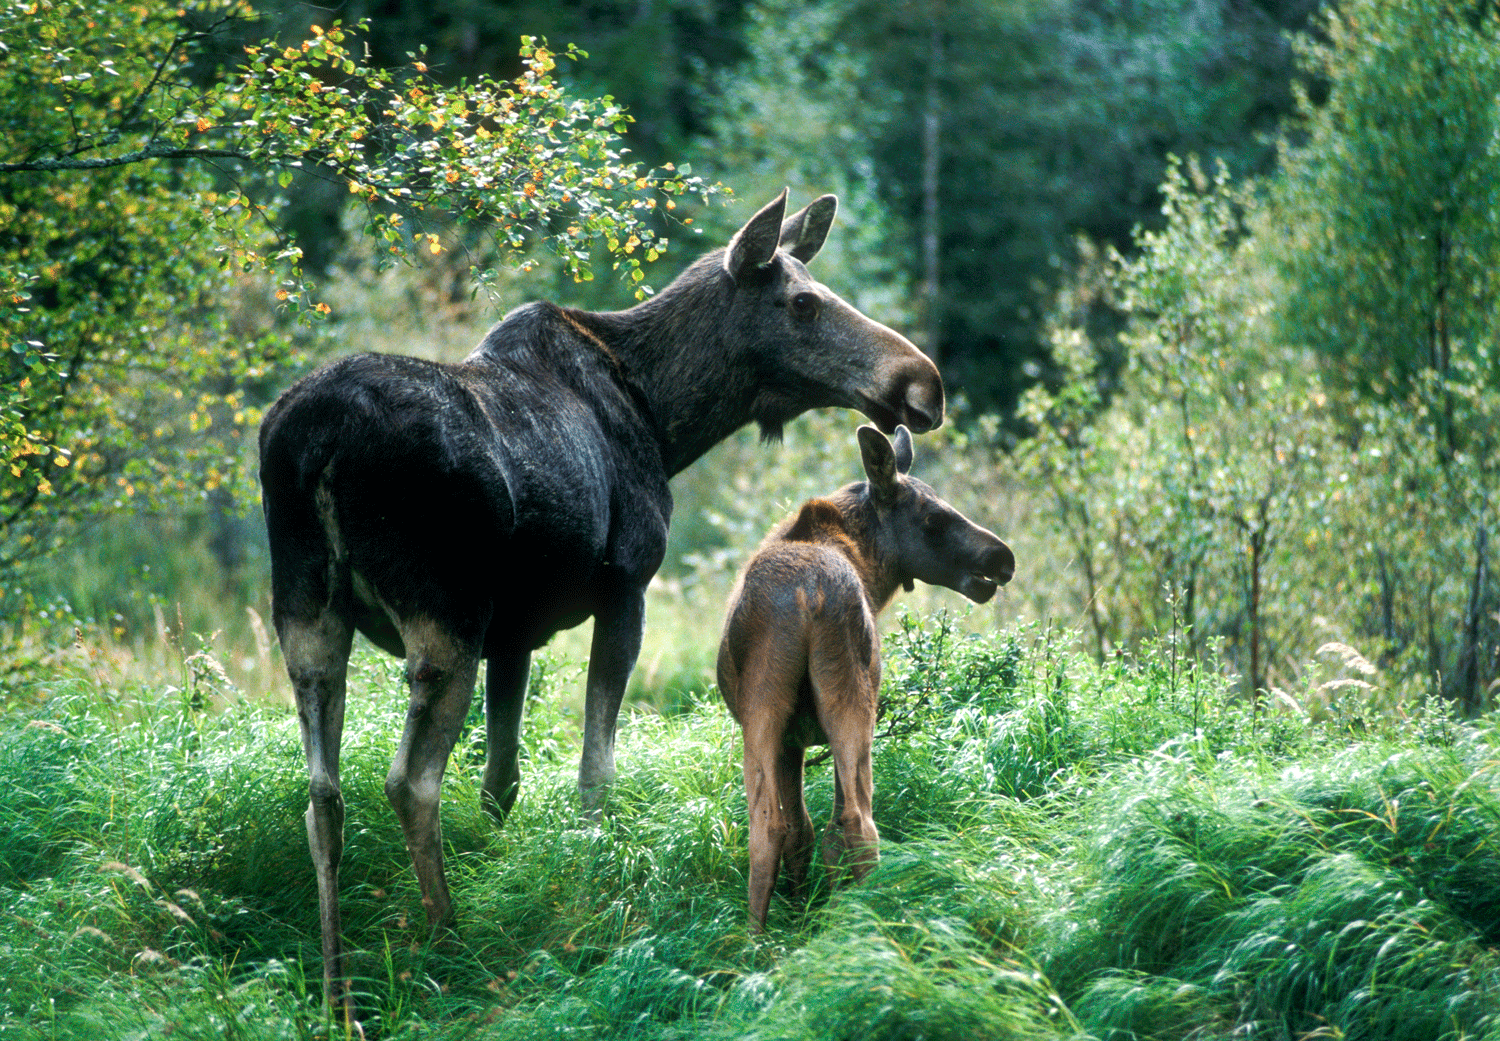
x: 898, y: 384
x: 915, y: 402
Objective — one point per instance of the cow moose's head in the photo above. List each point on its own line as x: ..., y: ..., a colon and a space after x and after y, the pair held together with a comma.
x: 818, y: 350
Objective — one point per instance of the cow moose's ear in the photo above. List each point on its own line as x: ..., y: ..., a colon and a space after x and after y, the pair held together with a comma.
x: 803, y: 233
x: 880, y: 463
x: 754, y: 245
x: 904, y: 451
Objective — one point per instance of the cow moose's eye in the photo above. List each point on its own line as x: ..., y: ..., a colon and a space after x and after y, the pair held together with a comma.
x: 805, y: 305
x: 936, y: 523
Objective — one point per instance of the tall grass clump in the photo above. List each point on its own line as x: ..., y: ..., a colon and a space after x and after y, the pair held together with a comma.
x: 867, y: 977
x: 1068, y: 851
x: 1352, y: 892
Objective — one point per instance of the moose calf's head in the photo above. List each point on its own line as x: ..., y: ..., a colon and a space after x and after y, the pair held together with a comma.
x: 919, y: 534
x: 817, y: 350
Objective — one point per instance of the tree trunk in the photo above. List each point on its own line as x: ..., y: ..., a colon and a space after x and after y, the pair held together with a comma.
x: 1440, y: 347
x: 1464, y: 686
x: 1387, y: 611
x: 932, y: 313
x: 1257, y: 677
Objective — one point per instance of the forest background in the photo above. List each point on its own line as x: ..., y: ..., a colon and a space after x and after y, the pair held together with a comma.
x: 1247, y: 394
x: 1213, y: 287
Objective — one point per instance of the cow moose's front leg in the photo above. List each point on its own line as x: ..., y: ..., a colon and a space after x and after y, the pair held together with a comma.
x: 612, y: 654
x: 504, y: 705
x: 440, y: 671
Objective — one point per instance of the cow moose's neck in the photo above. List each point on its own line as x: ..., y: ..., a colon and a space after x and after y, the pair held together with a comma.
x: 718, y: 349
x: 677, y: 351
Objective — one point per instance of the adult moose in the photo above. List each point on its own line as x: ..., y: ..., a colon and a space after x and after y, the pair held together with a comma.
x: 453, y: 513
x: 799, y: 663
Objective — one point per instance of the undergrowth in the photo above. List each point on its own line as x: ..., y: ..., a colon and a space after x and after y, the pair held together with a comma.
x: 1068, y: 851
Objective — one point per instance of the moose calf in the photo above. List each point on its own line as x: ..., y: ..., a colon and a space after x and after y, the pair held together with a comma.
x: 799, y: 662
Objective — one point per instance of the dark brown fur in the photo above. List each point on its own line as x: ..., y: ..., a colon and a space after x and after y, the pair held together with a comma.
x: 799, y: 662
x: 454, y: 513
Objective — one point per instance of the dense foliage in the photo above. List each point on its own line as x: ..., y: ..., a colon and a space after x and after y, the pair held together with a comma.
x: 1303, y: 447
x: 1388, y: 209
x: 141, y: 192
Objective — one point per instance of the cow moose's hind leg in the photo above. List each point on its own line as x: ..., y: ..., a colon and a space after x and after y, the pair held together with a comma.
x: 616, y: 644
x: 441, y: 670
x: 317, y: 658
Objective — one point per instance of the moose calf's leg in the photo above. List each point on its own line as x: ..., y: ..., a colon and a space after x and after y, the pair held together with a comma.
x: 845, y: 689
x: 851, y: 843
x: 317, y: 655
x: 797, y: 847
x: 441, y: 673
x: 504, y: 705
x: 768, y: 824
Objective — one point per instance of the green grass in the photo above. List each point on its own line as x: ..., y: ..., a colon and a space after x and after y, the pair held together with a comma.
x: 1353, y: 892
x: 1068, y: 851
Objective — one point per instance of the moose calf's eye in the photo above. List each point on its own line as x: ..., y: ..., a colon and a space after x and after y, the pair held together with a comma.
x: 804, y: 305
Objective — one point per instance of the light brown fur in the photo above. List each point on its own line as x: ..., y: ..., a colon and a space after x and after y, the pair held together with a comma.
x: 799, y: 662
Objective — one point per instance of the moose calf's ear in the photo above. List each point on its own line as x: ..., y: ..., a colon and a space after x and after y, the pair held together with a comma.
x: 803, y: 233
x: 904, y: 450
x: 754, y: 245
x: 880, y: 462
